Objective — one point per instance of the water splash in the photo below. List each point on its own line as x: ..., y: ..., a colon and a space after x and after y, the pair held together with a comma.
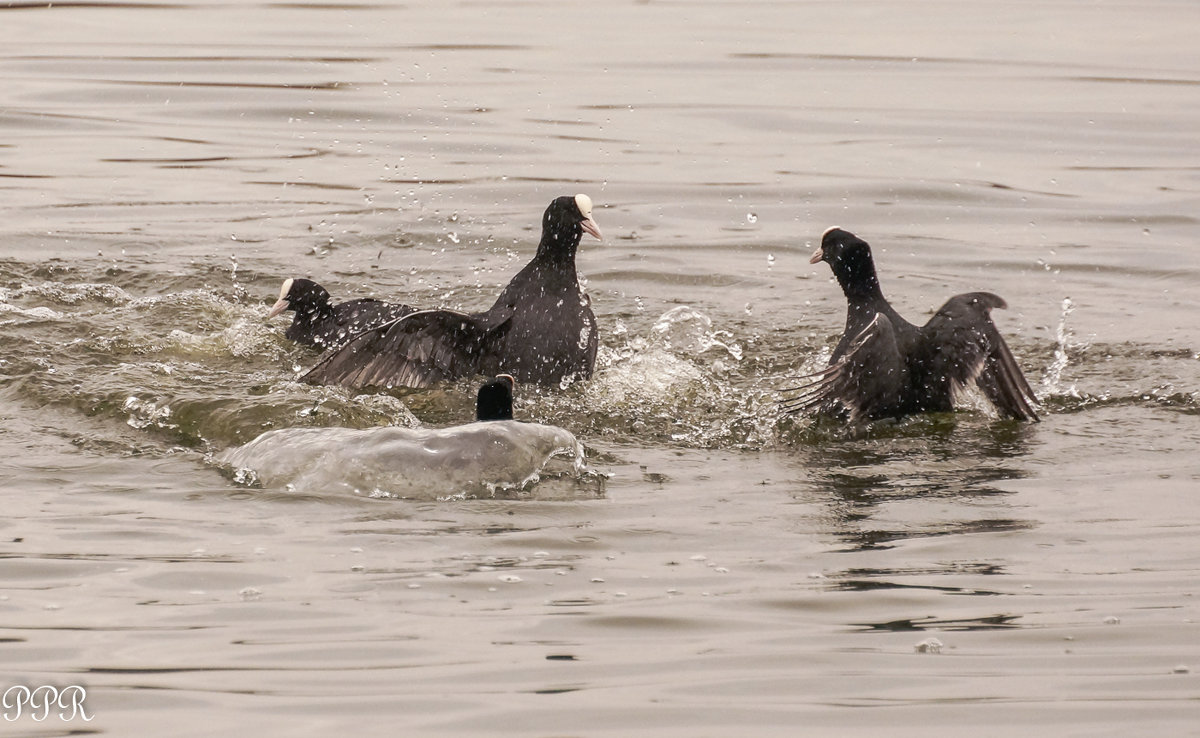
x: 239, y: 290
x: 147, y: 413
x: 683, y: 382
x: 244, y: 338
x: 685, y: 330
x: 1052, y: 382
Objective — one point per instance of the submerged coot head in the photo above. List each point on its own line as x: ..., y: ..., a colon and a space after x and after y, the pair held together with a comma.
x: 566, y: 219
x: 850, y: 259
x: 298, y: 295
x: 495, y: 399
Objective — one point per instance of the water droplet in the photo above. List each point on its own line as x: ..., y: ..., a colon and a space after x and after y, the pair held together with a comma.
x: 751, y: 218
x: 929, y: 645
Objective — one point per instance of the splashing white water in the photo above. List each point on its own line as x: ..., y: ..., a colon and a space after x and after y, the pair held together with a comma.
x: 686, y: 331
x: 1052, y: 382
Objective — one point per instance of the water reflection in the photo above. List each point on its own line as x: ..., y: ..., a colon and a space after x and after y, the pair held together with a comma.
x: 989, y: 622
x: 866, y: 478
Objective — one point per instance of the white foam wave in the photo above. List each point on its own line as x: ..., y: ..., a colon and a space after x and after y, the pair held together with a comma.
x: 10, y: 314
x: 68, y: 294
x: 467, y: 460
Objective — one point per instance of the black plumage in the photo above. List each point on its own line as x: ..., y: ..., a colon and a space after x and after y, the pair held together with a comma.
x: 540, y: 330
x: 884, y: 366
x: 318, y: 322
x: 495, y: 399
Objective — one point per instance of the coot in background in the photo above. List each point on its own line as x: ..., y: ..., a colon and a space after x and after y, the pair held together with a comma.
x: 884, y: 366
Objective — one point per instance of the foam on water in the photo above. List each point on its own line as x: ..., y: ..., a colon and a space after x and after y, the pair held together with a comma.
x: 479, y: 459
x: 14, y: 314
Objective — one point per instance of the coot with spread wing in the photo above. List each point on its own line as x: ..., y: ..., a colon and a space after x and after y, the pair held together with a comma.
x: 884, y: 366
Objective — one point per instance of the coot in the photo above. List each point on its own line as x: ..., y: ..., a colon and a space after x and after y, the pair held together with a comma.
x: 495, y: 399
x: 884, y: 366
x: 541, y: 329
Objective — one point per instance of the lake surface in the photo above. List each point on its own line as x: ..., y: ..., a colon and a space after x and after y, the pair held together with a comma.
x: 724, y: 570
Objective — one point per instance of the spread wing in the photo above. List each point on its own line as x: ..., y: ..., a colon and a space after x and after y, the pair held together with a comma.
x: 867, y: 380
x: 970, y: 349
x: 418, y: 350
x: 357, y: 315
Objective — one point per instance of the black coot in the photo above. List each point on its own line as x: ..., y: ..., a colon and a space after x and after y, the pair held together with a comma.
x: 319, y: 322
x: 885, y: 366
x: 495, y: 399
x: 540, y: 330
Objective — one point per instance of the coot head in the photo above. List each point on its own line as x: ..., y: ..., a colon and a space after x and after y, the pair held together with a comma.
x: 495, y: 399
x: 300, y: 295
x: 565, y: 221
x: 850, y: 259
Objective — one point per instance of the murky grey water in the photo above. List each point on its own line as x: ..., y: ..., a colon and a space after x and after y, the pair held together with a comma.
x: 165, y: 166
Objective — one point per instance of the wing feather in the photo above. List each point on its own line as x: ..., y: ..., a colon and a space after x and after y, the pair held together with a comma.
x: 967, y: 348
x: 867, y: 380
x: 418, y: 350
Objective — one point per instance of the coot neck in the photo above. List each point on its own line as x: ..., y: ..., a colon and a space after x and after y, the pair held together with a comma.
x: 558, y: 246
x: 858, y: 280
